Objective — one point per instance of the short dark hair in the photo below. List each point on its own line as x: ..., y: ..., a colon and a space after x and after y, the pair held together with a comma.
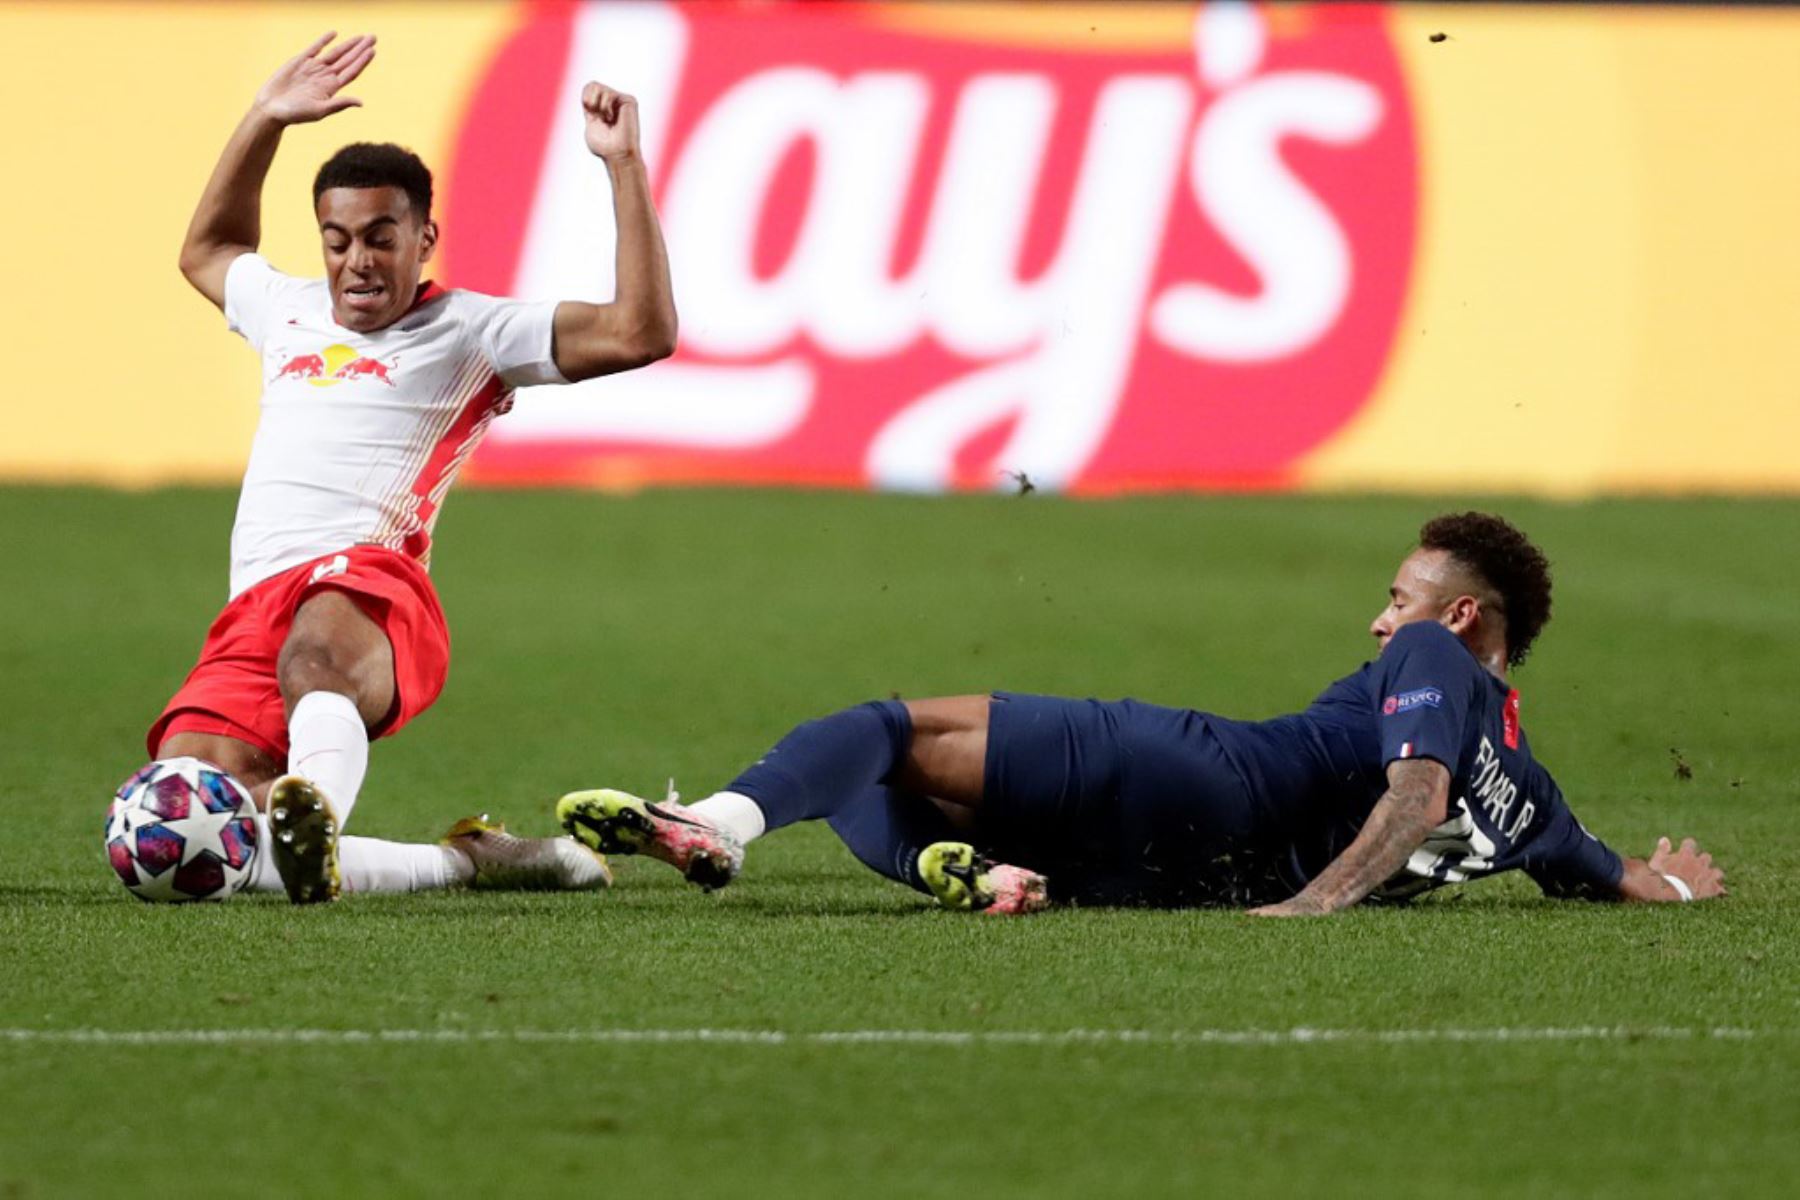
x: 377, y: 164
x: 1506, y: 561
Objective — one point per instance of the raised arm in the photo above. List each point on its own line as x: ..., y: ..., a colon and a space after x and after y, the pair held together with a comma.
x: 1668, y: 871
x: 1416, y: 802
x: 638, y: 327
x: 228, y: 220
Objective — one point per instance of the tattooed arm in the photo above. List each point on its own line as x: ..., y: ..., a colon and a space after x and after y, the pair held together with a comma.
x: 1417, y: 801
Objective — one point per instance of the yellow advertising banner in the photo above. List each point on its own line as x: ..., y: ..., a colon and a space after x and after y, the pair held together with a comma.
x: 1115, y: 246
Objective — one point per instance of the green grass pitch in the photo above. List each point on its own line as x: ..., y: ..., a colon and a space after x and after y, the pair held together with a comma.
x: 607, y: 641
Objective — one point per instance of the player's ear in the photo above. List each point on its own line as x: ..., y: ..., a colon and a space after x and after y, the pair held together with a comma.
x: 428, y: 237
x: 1462, y: 614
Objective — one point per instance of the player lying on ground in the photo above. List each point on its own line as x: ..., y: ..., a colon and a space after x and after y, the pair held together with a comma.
x: 375, y: 389
x: 1411, y: 773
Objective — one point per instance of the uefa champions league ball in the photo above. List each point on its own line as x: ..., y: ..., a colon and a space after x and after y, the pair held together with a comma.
x: 181, y: 829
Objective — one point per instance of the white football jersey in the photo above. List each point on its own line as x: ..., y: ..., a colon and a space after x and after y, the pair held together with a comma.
x: 362, y: 434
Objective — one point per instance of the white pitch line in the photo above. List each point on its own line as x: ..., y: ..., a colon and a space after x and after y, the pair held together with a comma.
x: 1300, y: 1036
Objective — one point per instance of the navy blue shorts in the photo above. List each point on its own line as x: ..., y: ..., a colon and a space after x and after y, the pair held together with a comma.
x: 1118, y: 802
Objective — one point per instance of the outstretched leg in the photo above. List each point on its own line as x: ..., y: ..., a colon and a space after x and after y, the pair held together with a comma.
x: 895, y: 780
x: 373, y: 865
x: 475, y: 853
x: 932, y: 748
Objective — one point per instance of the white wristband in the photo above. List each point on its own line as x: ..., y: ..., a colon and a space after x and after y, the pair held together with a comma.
x: 1681, y: 888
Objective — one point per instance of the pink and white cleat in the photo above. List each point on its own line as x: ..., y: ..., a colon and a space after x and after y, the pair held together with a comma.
x: 613, y: 822
x: 962, y: 879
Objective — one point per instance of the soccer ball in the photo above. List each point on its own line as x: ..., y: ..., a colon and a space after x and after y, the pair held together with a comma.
x: 181, y: 829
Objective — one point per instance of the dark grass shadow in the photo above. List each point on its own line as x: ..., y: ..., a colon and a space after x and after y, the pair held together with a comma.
x: 45, y: 895
x: 780, y: 906
x: 786, y: 898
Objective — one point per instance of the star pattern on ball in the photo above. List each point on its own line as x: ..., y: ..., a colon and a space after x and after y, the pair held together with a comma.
x: 126, y: 820
x: 201, y: 831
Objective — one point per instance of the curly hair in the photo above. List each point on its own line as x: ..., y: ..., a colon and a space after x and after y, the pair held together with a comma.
x: 377, y: 164
x: 1504, y: 559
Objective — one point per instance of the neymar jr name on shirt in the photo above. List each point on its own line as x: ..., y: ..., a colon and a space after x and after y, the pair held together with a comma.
x: 1495, y: 792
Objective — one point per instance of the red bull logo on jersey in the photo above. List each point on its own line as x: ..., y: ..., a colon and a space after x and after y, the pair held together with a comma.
x: 926, y: 247
x: 365, y: 368
x: 303, y: 366
x: 333, y: 365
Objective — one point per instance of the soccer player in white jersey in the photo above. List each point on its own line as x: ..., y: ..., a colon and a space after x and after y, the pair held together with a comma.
x: 375, y: 389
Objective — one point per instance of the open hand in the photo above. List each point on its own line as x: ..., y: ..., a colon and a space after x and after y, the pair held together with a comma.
x: 305, y: 87
x: 612, y: 122
x: 1690, y: 864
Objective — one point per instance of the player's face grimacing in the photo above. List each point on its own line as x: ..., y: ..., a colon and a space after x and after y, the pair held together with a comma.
x: 1423, y: 590
x: 376, y: 246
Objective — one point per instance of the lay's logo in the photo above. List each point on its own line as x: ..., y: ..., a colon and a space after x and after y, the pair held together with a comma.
x: 920, y: 246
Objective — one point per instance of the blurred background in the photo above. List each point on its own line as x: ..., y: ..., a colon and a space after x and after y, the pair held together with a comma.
x: 1102, y: 247
x: 1451, y: 255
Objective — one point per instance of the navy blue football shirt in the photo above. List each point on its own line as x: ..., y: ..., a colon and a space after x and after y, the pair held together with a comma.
x: 1319, y: 773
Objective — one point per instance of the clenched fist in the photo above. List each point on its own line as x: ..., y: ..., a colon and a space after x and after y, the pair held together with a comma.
x: 612, y: 123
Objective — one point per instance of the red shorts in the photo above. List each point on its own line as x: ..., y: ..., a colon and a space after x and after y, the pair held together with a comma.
x: 233, y: 691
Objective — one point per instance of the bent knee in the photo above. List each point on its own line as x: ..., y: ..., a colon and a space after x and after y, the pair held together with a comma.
x: 312, y: 664
x: 365, y: 675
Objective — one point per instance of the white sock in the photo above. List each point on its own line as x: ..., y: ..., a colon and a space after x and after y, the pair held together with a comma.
x: 328, y: 744
x: 263, y: 876
x: 372, y: 865
x: 735, y: 813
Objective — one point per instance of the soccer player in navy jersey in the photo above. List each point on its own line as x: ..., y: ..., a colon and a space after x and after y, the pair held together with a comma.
x: 1411, y: 773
